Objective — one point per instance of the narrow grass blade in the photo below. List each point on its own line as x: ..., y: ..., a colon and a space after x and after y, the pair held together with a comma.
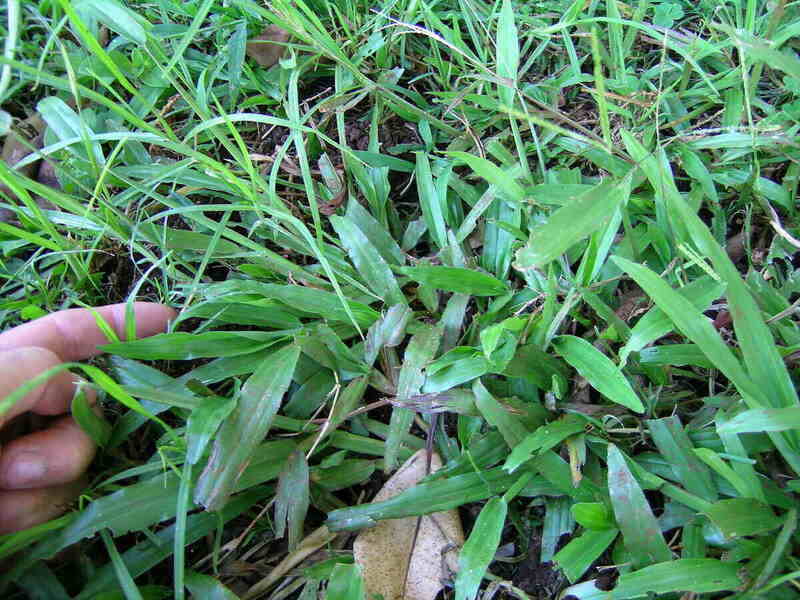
x: 764, y: 364
x: 689, y: 321
x: 781, y: 543
x: 655, y: 324
x: 743, y: 468
x: 129, y: 587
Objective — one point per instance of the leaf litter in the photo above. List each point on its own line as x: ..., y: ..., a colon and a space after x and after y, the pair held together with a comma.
x: 393, y: 567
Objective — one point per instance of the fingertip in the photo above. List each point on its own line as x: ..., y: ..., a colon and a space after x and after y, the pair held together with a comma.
x: 151, y: 318
x: 57, y: 455
x: 21, y: 509
x: 18, y: 367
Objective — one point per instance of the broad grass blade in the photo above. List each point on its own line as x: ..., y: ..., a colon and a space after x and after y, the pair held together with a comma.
x: 205, y: 586
x: 602, y: 374
x: 639, y: 527
x: 507, y: 53
x: 456, y: 279
x: 572, y: 223
x: 577, y: 556
x: 763, y: 419
x: 420, y: 351
x: 432, y: 209
x: 479, y: 549
x: 737, y: 517
x: 370, y: 264
x: 346, y: 583
x: 292, y: 498
x: 697, y: 575
x: 676, y: 448
x: 246, y: 427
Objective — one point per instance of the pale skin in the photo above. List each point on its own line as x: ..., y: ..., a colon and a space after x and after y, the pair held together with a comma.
x: 41, y: 472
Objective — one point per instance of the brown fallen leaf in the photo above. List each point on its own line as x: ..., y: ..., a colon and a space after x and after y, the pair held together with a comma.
x: 383, y: 550
x: 16, y: 146
x: 267, y: 48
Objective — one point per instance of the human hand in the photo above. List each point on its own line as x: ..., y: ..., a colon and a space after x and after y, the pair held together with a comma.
x: 40, y: 473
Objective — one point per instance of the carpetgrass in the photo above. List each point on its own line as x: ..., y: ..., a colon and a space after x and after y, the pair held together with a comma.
x: 559, y: 237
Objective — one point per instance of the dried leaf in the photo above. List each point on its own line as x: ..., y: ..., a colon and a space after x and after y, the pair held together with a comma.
x: 17, y: 145
x: 267, y: 48
x: 383, y: 550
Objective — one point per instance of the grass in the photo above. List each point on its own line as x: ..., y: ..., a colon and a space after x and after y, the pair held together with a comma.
x: 559, y: 237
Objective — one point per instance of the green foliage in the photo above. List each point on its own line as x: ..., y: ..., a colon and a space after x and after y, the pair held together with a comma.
x: 558, y: 239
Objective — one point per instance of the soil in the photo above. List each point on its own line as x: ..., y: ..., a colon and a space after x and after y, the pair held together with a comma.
x: 540, y: 580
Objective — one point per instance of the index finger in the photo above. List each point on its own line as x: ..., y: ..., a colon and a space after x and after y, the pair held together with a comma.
x: 73, y: 334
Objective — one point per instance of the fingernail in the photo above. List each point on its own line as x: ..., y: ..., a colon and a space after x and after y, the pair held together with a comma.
x: 26, y: 468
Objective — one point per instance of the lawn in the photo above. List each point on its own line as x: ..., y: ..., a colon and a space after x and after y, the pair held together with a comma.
x: 549, y: 247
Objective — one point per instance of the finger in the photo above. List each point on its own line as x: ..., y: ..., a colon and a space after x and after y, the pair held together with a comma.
x: 56, y: 455
x: 73, y: 334
x: 53, y: 397
x: 21, y: 509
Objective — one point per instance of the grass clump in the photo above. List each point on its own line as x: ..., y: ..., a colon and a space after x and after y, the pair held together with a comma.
x: 558, y: 238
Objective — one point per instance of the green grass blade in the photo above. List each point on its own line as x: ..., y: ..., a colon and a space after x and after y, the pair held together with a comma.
x: 346, y: 583
x: 420, y: 351
x: 292, y: 499
x: 456, y: 279
x: 245, y: 428
x: 676, y: 448
x: 507, y: 53
x: 600, y: 372
x: 126, y: 582
x: 479, y: 549
x: 570, y: 224
x: 368, y: 261
x: 639, y: 527
x: 578, y: 555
